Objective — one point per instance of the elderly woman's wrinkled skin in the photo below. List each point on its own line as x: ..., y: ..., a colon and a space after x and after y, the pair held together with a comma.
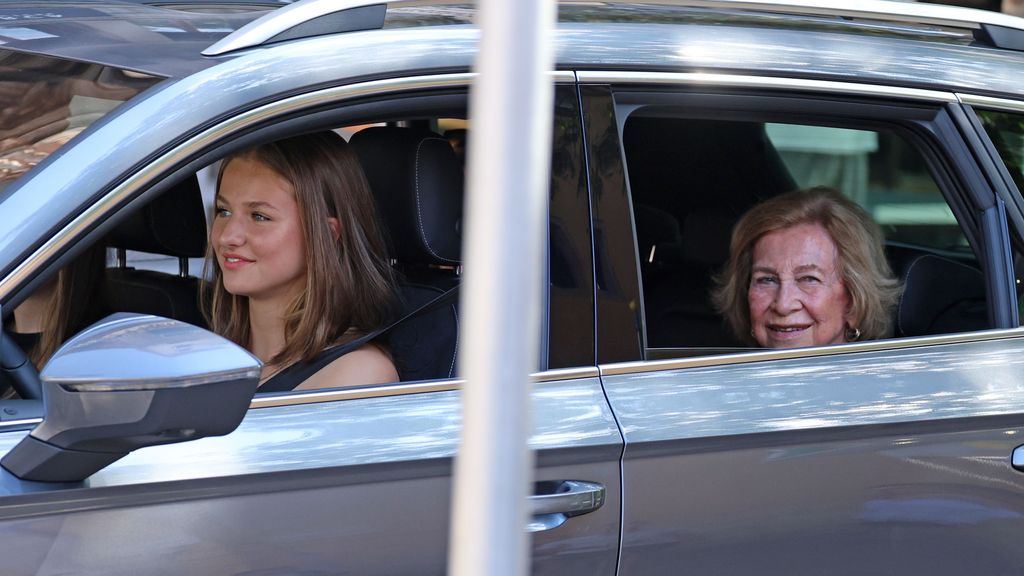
x: 796, y: 294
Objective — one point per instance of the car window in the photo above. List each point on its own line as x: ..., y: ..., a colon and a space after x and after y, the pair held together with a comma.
x: 155, y: 258
x: 47, y: 101
x: 1006, y: 130
x: 879, y: 170
x: 692, y: 178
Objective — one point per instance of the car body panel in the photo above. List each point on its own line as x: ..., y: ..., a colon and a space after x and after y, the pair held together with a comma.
x: 903, y: 453
x: 298, y: 487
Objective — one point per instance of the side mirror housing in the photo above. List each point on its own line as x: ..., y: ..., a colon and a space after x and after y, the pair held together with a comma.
x: 127, y: 382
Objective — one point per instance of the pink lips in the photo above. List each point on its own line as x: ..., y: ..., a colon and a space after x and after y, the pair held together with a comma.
x: 233, y: 261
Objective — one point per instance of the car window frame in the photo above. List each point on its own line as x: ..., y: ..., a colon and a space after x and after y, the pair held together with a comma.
x: 317, y: 109
x: 961, y: 181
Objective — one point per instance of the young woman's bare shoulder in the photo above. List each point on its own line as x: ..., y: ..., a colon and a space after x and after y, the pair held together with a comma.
x: 367, y: 365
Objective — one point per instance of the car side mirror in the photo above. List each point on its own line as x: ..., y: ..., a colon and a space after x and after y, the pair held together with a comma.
x: 127, y: 382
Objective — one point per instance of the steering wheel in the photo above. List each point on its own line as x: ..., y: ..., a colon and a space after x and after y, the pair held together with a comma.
x: 16, y: 369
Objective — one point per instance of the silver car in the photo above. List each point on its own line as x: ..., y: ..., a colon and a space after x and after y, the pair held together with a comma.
x: 663, y: 444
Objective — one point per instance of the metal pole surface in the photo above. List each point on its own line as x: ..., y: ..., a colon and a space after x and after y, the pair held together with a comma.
x: 506, y: 207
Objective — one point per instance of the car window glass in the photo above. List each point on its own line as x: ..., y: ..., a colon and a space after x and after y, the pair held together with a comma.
x: 691, y: 180
x: 880, y: 171
x: 44, y: 102
x: 154, y: 255
x: 1006, y: 130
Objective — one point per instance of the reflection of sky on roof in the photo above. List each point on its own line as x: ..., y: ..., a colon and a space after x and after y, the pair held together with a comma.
x: 950, y: 381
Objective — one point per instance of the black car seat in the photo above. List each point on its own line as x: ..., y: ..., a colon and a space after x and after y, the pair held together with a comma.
x: 418, y: 185
x: 690, y: 181
x: 174, y: 225
x: 940, y: 296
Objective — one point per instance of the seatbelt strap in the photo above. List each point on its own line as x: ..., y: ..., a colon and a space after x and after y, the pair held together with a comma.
x: 297, y: 373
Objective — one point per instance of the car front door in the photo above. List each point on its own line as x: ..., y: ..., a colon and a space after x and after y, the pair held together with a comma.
x: 353, y: 481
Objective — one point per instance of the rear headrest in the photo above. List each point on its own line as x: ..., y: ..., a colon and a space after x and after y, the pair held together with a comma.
x: 684, y: 165
x: 173, y: 224
x: 706, y: 237
x: 417, y: 181
x: 940, y: 296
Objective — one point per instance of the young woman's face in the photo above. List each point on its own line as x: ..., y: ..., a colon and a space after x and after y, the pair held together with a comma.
x: 257, y: 233
x: 796, y: 294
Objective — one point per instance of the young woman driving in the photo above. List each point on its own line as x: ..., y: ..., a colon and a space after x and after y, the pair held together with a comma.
x: 301, y: 262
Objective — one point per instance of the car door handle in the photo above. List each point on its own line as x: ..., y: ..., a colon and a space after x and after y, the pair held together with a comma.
x: 555, y: 501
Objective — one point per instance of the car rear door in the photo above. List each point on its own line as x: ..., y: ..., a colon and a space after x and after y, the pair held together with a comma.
x: 883, y: 456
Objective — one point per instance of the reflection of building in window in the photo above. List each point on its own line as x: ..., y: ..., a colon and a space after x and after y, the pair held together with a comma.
x: 822, y: 156
x: 44, y: 102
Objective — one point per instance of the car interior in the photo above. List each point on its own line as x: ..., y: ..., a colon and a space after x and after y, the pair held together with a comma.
x: 417, y: 180
x: 692, y: 178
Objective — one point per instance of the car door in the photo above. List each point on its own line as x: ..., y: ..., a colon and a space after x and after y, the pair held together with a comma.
x: 884, y: 456
x: 335, y: 481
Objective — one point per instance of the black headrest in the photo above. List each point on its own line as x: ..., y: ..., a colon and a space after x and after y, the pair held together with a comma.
x: 940, y: 296
x: 706, y: 237
x: 173, y: 224
x: 682, y: 165
x: 417, y: 181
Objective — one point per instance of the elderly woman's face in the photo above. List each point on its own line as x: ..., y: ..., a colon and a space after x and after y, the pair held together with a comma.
x: 796, y: 294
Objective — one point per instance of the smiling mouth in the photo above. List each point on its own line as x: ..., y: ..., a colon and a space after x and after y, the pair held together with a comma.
x: 234, y: 262
x: 788, y: 329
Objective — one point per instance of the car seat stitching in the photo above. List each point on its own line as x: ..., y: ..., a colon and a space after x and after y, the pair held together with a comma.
x: 419, y: 211
x: 455, y: 350
x: 903, y: 294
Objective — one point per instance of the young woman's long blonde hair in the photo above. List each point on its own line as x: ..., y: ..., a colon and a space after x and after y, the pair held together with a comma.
x: 350, y: 288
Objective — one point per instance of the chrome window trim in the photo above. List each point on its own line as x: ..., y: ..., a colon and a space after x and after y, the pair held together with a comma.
x: 378, y: 391
x: 770, y: 82
x: 142, y: 178
x: 810, y: 352
x: 991, y: 103
x: 19, y: 424
x: 400, y: 389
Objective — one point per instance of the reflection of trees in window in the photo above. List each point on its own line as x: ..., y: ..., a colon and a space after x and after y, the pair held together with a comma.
x: 1007, y: 133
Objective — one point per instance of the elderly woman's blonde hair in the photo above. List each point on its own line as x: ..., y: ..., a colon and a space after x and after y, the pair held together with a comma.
x: 860, y: 258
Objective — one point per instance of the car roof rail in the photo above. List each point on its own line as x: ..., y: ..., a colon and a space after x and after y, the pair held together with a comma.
x: 992, y: 28
x: 301, y: 20
x: 308, y: 18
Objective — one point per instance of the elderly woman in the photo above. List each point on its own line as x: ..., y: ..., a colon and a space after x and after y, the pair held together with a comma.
x: 807, y: 268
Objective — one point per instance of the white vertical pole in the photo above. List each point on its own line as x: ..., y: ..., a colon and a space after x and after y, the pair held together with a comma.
x: 509, y: 156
